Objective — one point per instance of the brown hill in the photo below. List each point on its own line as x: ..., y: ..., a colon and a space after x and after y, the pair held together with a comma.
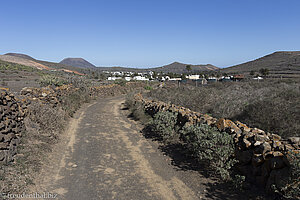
x: 23, y: 61
x: 38, y: 64
x: 121, y: 69
x: 180, y: 68
x: 61, y: 66
x: 281, y: 63
x: 77, y: 62
x: 20, y: 55
x: 175, y: 67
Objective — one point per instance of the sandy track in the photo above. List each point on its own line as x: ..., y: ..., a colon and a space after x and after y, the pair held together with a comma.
x: 103, y: 155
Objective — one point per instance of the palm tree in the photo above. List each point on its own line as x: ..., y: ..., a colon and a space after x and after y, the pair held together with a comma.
x: 264, y: 71
x: 188, y: 68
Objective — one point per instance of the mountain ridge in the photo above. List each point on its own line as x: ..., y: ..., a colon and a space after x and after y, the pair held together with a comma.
x: 20, y: 55
x: 77, y: 62
x: 278, y: 62
x: 177, y: 67
x: 26, y: 60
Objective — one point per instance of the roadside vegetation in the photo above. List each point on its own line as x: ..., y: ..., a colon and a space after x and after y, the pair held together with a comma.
x: 273, y: 106
x: 204, y: 143
x: 210, y: 149
x: 44, y: 125
x: 290, y: 187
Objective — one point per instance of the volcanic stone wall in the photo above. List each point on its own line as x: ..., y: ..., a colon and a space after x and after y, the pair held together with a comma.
x: 13, y: 110
x: 264, y: 157
x: 12, y: 113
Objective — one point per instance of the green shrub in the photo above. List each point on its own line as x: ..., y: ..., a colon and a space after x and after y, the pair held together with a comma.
x: 72, y: 102
x: 120, y: 82
x: 48, y: 79
x: 78, y: 82
x: 3, y: 83
x: 238, y: 181
x: 164, y: 124
x: 147, y: 87
x: 291, y: 187
x: 211, y: 146
x: 15, y: 67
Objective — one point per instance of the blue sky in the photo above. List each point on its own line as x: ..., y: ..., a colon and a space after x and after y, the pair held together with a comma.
x: 148, y: 33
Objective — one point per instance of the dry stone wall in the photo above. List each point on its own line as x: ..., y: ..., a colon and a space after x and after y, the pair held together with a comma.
x: 12, y: 113
x: 264, y: 157
x: 46, y: 95
x: 13, y: 110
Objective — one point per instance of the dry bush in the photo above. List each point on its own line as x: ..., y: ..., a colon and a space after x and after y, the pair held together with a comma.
x: 271, y: 105
x: 72, y: 102
x: 137, y: 111
x: 44, y: 120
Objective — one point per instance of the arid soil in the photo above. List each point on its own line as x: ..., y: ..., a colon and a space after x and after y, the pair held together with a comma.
x: 104, y: 155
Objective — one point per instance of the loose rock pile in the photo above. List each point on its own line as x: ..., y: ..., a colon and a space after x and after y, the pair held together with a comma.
x: 264, y: 157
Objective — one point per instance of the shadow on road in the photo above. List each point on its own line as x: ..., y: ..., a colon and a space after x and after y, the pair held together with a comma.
x: 181, y: 159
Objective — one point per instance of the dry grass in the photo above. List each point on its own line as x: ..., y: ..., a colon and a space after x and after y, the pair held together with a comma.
x: 272, y: 105
x: 42, y: 130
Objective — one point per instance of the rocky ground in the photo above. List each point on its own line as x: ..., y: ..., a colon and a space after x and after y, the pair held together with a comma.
x: 16, y: 80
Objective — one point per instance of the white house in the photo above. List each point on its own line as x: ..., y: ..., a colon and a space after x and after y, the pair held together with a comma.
x: 165, y: 78
x: 113, y: 78
x: 140, y: 78
x: 151, y: 73
x: 117, y: 73
x: 193, y: 77
x: 175, y: 79
x: 226, y: 77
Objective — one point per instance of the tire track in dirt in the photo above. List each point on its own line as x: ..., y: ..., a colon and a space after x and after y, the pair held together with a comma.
x: 164, y: 188
x: 102, y: 155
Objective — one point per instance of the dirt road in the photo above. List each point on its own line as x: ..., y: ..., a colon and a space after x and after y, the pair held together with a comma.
x: 103, y: 155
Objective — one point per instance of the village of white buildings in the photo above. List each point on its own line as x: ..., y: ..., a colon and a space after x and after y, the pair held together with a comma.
x: 155, y: 76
